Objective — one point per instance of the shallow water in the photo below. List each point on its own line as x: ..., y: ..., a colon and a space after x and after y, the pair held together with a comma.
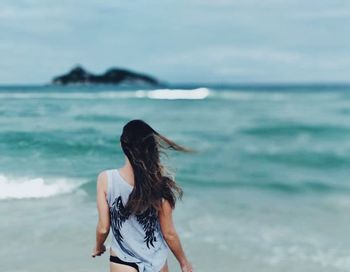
x: 268, y: 190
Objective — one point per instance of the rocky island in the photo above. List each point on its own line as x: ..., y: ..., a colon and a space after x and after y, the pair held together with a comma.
x: 79, y: 75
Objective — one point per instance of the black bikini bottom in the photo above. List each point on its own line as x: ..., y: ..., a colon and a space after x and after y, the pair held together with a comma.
x: 115, y: 259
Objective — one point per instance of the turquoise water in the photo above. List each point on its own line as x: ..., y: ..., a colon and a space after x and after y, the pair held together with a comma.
x: 267, y: 191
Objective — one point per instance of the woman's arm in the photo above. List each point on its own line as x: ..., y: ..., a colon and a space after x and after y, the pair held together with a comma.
x: 171, y: 237
x: 102, y: 228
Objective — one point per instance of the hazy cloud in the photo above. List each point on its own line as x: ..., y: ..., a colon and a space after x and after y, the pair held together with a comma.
x: 224, y: 40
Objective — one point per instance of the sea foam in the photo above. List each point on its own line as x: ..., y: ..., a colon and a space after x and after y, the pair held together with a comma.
x: 22, y: 188
x: 199, y: 93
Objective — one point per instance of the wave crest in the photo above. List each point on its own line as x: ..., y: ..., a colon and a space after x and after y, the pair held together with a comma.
x: 199, y: 93
x: 23, y: 188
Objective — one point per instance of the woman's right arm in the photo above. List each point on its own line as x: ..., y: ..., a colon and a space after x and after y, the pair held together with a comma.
x: 171, y: 237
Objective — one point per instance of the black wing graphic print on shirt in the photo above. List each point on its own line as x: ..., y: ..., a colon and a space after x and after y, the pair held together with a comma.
x: 118, y: 216
x: 148, y: 220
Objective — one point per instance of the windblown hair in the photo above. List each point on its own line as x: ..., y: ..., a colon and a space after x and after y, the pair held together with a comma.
x: 143, y: 146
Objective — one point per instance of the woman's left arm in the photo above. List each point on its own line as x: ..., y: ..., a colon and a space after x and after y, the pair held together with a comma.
x: 102, y: 228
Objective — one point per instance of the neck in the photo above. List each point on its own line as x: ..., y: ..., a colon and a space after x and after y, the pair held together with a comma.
x: 127, y: 172
x: 127, y: 166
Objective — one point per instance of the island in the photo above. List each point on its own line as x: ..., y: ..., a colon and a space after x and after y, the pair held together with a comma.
x: 79, y: 75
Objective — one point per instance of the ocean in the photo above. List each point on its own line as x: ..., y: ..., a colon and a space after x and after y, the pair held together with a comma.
x: 268, y: 189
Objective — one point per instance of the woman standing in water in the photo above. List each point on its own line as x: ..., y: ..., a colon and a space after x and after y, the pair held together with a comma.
x: 136, y: 202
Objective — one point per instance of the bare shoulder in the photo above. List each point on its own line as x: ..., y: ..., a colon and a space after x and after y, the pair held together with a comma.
x: 102, y: 180
x: 102, y: 175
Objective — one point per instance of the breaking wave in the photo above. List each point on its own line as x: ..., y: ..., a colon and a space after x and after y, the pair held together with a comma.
x: 199, y: 93
x: 24, y: 188
x: 194, y: 94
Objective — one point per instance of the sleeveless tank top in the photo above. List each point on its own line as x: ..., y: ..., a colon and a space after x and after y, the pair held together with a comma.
x: 136, y: 238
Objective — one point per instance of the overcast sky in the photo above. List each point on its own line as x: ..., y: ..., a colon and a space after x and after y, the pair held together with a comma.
x: 177, y: 41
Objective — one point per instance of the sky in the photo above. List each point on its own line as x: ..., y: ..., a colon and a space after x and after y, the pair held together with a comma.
x: 179, y: 41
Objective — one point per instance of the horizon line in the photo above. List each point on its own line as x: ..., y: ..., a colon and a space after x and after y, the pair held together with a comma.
x: 193, y: 84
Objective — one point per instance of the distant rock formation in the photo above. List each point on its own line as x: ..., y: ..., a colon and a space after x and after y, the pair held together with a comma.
x: 79, y: 75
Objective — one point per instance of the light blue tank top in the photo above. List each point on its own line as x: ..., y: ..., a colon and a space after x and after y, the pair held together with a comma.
x: 138, y: 238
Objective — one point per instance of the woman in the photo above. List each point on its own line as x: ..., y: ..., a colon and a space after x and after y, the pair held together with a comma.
x: 136, y: 202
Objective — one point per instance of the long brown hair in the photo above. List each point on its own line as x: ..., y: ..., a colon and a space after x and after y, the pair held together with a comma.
x: 143, y: 145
